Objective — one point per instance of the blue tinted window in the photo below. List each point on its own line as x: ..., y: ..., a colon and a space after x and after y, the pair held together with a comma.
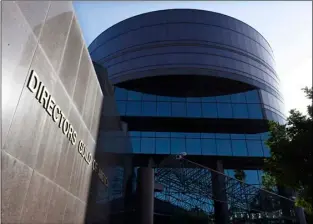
x: 224, y: 110
x: 240, y: 111
x: 238, y: 136
x: 148, y: 97
x: 162, y: 134
x: 177, y: 146
x: 222, y: 136
x: 179, y: 109
x: 147, y: 134
x: 178, y: 135
x: 255, y: 111
x: 193, y: 146
x: 239, y: 148
x: 120, y: 94
x: 135, y: 144
x: 164, y: 109
x: 134, y: 133
x: 164, y: 98
x: 163, y: 146
x: 208, y: 147
x: 207, y: 135
x: 148, y: 145
x: 149, y: 108
x: 193, y: 99
x: 224, y: 99
x: 209, y: 110
x: 252, y: 97
x: 252, y: 177
x: 209, y: 99
x: 265, y: 135
x: 178, y: 99
x: 269, y: 115
x: 193, y: 135
x: 121, y: 107
x: 255, y: 148
x: 266, y: 150
x: 253, y: 136
x: 194, y: 109
x: 238, y: 98
x: 132, y: 95
x: 223, y: 147
x: 133, y: 108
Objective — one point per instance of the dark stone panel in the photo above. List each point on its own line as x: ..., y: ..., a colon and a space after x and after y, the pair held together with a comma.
x: 37, y: 200
x: 17, y: 54
x: 35, y: 13
x: 15, y: 182
x: 23, y: 143
x: 71, y: 57
x: 82, y: 81
x: 68, y: 153
x: 55, y: 31
x: 90, y: 98
x: 57, y: 205
x: 52, y: 141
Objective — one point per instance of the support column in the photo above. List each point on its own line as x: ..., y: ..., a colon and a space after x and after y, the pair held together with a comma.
x: 145, y: 195
x: 219, y: 195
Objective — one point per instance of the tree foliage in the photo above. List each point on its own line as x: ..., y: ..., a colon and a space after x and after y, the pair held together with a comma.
x: 290, y: 163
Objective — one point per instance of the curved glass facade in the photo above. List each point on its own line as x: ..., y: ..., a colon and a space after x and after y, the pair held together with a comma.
x: 245, y: 105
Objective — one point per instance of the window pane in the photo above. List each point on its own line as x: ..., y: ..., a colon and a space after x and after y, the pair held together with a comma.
x: 194, y: 109
x: 209, y: 99
x: 208, y: 147
x: 149, y: 109
x: 240, y: 111
x: 265, y: 135
x: 134, y: 133
x: 222, y: 136
x: 193, y: 146
x: 266, y: 150
x: 164, y: 109
x: 133, y: 108
x: 121, y: 107
x: 163, y: 98
x: 255, y: 148
x: 253, y: 136
x: 255, y: 111
x: 193, y: 135
x: 120, y: 94
x: 252, y: 97
x: 224, y: 110
x: 178, y: 135
x: 148, y: 145
x: 132, y: 95
x: 224, y: 99
x: 162, y: 146
x: 148, y: 97
x: 238, y: 98
x: 162, y: 134
x: 178, y: 99
x: 238, y: 136
x: 179, y: 109
x: 209, y: 110
x: 193, y: 99
x: 223, y: 147
x: 207, y: 135
x: 177, y: 146
x: 147, y: 134
x: 135, y: 144
x: 252, y: 177
x: 239, y: 148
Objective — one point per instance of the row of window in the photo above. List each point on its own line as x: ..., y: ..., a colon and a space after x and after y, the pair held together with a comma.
x: 220, y: 147
x: 245, y: 97
x: 259, y: 136
x: 182, y: 109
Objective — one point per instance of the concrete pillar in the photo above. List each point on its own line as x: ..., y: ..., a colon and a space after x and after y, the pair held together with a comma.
x: 219, y: 195
x: 145, y: 195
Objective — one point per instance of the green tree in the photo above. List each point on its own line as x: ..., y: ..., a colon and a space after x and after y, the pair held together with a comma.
x: 290, y: 164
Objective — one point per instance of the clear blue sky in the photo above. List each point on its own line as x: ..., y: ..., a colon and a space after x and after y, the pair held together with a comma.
x: 286, y: 25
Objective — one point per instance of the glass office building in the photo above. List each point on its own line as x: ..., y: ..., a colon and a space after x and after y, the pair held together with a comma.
x: 193, y: 81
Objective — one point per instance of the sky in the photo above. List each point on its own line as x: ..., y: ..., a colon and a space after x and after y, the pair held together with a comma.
x: 286, y: 25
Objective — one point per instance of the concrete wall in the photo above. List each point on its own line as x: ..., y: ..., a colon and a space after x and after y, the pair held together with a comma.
x: 44, y: 177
